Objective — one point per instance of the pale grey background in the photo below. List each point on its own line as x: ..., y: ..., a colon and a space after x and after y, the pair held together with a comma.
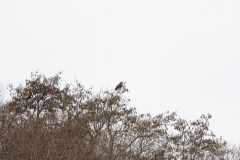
x: 172, y: 54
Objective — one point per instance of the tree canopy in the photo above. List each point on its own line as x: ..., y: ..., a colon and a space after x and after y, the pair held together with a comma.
x: 45, y: 120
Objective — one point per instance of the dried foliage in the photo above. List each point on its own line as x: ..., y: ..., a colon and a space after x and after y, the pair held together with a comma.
x: 2, y: 94
x: 46, y: 121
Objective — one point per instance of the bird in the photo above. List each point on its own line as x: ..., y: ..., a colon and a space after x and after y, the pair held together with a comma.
x: 119, y: 86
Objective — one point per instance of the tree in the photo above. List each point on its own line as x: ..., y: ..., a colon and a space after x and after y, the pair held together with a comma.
x: 46, y: 121
x: 2, y: 94
x: 40, y: 95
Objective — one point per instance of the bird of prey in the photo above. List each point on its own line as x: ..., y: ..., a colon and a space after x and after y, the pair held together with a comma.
x: 119, y: 86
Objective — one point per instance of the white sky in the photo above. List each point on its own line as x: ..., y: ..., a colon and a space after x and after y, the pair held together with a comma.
x: 173, y: 54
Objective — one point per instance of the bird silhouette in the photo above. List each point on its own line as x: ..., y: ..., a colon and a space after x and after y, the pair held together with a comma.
x: 119, y: 86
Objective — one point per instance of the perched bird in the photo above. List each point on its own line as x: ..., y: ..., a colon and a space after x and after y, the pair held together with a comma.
x: 119, y: 86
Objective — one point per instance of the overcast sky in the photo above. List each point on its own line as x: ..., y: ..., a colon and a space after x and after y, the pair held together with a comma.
x: 173, y: 54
